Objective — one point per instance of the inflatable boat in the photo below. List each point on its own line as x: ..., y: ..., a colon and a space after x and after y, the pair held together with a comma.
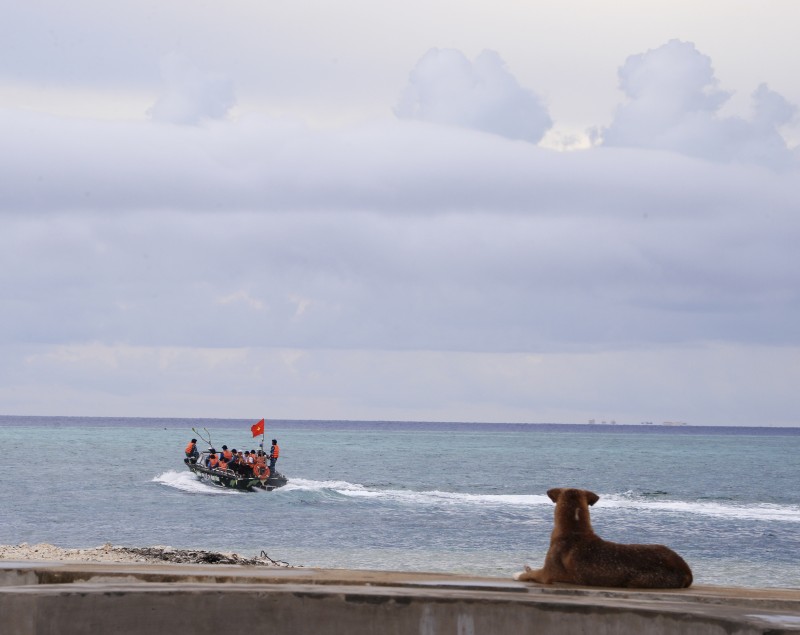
x: 231, y: 479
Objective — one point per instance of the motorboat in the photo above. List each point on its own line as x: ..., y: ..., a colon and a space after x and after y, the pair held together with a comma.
x: 241, y: 479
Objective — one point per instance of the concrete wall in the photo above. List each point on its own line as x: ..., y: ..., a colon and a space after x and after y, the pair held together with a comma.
x: 205, y: 600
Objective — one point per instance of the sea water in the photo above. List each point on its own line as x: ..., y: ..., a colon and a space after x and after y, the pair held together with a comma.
x: 450, y: 497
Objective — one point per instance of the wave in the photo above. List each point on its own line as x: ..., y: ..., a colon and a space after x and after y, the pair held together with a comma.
x: 656, y: 502
x: 188, y: 482
x: 742, y: 511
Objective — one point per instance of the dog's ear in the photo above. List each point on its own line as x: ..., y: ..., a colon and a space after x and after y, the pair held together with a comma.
x: 591, y: 497
x: 554, y: 493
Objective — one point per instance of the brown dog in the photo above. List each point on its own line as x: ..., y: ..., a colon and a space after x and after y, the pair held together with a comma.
x: 578, y: 556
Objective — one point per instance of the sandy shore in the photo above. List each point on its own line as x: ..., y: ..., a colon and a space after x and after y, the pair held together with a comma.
x: 125, y: 555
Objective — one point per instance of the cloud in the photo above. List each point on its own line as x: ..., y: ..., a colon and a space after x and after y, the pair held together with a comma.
x: 406, y: 269
x: 398, y: 235
x: 189, y: 95
x: 673, y: 104
x: 55, y: 164
x: 705, y: 385
x: 446, y: 88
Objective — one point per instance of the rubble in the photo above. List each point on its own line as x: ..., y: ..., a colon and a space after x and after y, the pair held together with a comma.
x: 145, y: 555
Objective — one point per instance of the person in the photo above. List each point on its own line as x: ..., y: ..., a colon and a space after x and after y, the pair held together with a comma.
x: 274, y: 453
x: 249, y: 460
x: 237, y: 464
x: 191, y: 451
x: 227, y: 455
x: 212, y: 462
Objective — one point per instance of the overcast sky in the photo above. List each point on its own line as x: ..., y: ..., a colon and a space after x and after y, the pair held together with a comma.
x: 507, y: 211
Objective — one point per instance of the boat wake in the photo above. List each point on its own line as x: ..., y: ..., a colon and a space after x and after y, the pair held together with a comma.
x: 645, y: 502
x: 627, y: 500
x: 188, y: 482
x: 431, y: 497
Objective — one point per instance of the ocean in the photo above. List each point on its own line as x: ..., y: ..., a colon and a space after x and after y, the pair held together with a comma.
x: 447, y: 497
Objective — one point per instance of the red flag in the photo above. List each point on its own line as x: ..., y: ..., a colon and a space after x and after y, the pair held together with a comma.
x: 257, y: 428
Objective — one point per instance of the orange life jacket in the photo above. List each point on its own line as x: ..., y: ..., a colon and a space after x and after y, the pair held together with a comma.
x: 213, y: 462
x: 226, y: 454
x: 276, y: 452
x: 190, y: 448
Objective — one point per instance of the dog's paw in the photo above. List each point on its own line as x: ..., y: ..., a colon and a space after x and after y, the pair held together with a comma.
x: 524, y: 576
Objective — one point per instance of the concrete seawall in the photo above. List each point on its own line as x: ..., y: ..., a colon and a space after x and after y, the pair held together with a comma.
x: 62, y: 598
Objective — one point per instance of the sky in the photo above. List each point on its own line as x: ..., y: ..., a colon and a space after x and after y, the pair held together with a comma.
x: 431, y: 211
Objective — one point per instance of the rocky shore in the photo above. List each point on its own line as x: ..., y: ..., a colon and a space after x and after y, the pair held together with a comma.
x: 126, y: 555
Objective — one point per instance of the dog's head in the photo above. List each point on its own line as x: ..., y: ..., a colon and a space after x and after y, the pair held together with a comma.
x: 572, y: 509
x: 571, y: 494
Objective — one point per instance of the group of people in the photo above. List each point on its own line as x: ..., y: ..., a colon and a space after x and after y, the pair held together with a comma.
x: 250, y: 463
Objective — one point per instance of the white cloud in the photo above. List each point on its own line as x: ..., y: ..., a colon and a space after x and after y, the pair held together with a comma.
x: 392, y: 236
x: 673, y: 104
x: 190, y: 95
x: 242, y: 298
x: 405, y: 269
x: 704, y: 385
x: 266, y: 165
x: 446, y: 88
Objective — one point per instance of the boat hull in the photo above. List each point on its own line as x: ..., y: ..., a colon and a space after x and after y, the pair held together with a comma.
x: 233, y: 480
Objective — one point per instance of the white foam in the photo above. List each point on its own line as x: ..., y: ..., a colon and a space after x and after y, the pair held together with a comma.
x: 759, y: 511
x: 627, y: 500
x: 188, y: 482
x: 310, y: 485
x: 432, y: 497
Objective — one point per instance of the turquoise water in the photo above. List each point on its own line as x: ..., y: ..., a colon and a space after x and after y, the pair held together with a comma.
x: 466, y: 498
